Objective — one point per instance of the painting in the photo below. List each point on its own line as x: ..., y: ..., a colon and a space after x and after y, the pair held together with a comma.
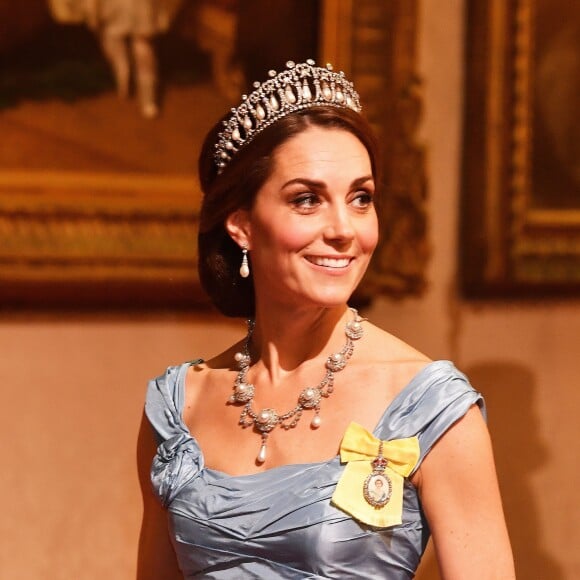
x: 99, y: 195
x: 520, y: 227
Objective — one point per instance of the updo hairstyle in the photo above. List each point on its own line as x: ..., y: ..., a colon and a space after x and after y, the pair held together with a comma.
x: 219, y: 257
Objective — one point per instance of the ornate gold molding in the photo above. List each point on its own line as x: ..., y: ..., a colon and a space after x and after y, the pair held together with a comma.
x: 546, y: 243
x: 510, y: 246
x: 114, y: 234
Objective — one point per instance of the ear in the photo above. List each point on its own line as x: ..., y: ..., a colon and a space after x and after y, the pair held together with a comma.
x: 238, y: 227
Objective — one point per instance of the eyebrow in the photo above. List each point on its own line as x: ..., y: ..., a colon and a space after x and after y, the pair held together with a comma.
x: 315, y: 184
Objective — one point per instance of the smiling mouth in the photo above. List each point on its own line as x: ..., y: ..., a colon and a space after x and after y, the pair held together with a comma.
x: 329, y: 262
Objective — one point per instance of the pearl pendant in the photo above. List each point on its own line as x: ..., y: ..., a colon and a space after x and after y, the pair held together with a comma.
x: 336, y: 362
x: 262, y: 455
x: 316, y: 422
x: 260, y: 113
x: 354, y: 330
x: 289, y: 94
x: 244, y: 270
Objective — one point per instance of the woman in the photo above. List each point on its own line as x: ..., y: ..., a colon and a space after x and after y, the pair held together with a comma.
x: 301, y: 418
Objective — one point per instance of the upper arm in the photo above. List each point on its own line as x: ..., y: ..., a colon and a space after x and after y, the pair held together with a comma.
x: 460, y: 496
x: 156, y: 557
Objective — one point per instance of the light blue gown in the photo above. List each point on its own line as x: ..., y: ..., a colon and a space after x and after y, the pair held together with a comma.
x: 280, y: 523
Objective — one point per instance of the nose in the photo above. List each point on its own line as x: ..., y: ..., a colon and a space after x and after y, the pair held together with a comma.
x: 339, y: 226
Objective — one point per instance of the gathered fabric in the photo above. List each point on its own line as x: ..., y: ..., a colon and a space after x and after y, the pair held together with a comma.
x: 294, y: 521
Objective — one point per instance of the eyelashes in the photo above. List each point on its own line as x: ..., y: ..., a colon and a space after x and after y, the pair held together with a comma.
x: 364, y: 200
x: 307, y: 202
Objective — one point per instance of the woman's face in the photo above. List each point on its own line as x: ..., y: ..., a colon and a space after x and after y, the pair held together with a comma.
x: 313, y: 227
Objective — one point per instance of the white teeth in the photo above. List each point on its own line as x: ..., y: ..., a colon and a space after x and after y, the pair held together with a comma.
x: 330, y: 262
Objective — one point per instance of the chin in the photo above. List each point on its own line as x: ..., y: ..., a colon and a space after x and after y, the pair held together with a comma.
x: 331, y: 299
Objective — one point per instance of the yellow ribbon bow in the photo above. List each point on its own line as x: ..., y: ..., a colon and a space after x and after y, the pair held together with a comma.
x: 359, y: 448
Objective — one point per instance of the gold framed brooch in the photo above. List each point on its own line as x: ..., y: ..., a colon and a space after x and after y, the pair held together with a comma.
x: 378, y: 487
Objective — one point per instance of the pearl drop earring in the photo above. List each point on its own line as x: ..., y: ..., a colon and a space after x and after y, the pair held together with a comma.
x: 245, y: 267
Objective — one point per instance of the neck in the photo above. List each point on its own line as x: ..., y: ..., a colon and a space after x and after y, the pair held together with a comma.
x: 283, y: 341
x: 304, y: 337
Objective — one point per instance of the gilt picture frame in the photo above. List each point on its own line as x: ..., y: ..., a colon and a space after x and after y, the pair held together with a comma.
x: 85, y: 239
x: 520, y: 203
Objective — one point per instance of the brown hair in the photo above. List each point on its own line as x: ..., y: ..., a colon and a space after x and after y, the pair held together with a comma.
x: 236, y: 188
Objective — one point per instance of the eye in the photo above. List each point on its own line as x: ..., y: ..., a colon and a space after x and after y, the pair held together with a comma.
x: 363, y: 199
x: 305, y: 201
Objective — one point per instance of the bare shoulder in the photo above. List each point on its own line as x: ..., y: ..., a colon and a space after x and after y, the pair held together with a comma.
x: 382, y: 347
x: 224, y: 360
x: 387, y: 347
x: 388, y: 360
x: 209, y: 375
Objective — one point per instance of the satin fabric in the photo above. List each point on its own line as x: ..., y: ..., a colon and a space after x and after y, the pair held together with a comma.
x: 281, y: 523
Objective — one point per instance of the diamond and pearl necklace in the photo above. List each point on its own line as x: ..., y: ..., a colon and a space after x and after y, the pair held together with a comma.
x: 309, y: 398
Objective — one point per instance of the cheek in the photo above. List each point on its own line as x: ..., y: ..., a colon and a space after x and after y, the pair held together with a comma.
x: 287, y: 236
x: 294, y: 238
x: 369, y: 236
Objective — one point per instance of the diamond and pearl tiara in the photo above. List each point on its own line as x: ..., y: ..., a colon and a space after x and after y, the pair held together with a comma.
x: 298, y: 87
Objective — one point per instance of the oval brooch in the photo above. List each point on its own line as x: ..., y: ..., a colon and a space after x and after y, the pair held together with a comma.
x: 377, y: 489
